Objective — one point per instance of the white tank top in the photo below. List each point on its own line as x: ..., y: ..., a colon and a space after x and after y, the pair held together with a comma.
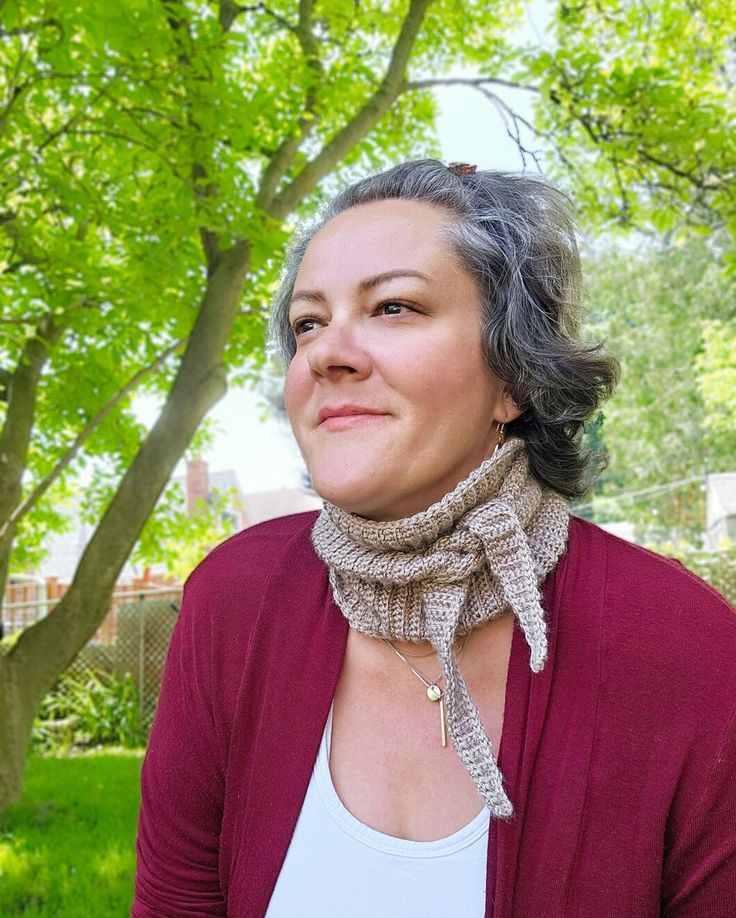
x: 337, y: 867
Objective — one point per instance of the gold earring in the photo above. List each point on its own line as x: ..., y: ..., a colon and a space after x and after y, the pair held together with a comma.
x: 501, y: 428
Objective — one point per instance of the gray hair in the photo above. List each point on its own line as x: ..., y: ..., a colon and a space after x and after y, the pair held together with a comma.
x: 515, y: 236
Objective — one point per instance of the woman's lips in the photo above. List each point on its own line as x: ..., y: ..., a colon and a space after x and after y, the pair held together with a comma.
x: 348, y: 421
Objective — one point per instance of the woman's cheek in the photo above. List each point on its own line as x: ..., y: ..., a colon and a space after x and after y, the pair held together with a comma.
x: 295, y: 384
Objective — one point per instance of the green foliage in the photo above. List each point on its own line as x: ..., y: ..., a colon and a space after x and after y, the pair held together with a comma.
x: 178, y: 540
x: 716, y: 368
x: 68, y: 848
x: 132, y: 133
x: 638, y: 100
x: 91, y: 709
x: 657, y: 308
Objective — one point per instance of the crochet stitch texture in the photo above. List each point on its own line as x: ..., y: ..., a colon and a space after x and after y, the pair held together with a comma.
x: 435, y: 576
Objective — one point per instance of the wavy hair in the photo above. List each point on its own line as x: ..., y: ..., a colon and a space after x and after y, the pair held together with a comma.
x: 515, y: 235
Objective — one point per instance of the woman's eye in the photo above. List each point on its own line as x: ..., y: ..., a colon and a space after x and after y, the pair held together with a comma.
x: 303, y: 325
x: 392, y: 308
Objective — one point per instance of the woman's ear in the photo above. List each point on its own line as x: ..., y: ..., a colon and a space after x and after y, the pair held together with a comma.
x: 507, y: 409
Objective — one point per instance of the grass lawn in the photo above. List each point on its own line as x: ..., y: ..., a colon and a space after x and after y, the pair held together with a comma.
x: 67, y: 848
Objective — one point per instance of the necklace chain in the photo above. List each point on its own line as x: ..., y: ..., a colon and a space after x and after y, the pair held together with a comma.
x: 416, y: 672
x: 434, y: 692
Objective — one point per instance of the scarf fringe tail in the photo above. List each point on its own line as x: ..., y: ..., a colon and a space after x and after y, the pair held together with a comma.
x: 463, y: 719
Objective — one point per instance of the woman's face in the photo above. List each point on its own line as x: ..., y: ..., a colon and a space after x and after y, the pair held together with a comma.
x: 389, y: 395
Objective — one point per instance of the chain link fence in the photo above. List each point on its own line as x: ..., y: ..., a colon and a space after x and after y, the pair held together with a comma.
x: 142, y: 634
x: 132, y: 640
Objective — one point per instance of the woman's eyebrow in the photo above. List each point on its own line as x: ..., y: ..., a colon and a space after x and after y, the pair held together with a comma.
x: 368, y: 283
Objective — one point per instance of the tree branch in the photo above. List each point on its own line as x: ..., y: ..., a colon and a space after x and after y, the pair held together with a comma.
x: 282, y: 160
x: 472, y: 82
x: 272, y: 14
x: 21, y: 400
x: 14, y: 89
x: 375, y: 108
x: 89, y: 428
x: 703, y: 184
x: 229, y: 11
x: 512, y: 121
x: 86, y: 105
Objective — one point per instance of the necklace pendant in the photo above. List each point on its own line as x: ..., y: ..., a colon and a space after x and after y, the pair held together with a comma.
x: 443, y: 724
x: 434, y: 692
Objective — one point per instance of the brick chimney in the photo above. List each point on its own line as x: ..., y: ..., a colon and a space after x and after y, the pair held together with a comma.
x: 198, y: 483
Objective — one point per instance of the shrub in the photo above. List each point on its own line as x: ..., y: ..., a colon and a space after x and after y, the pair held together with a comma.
x: 91, y: 709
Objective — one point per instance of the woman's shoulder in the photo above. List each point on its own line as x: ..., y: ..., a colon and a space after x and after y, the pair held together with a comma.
x: 657, y: 619
x: 636, y: 576
x: 251, y: 554
x: 224, y: 593
x: 234, y: 589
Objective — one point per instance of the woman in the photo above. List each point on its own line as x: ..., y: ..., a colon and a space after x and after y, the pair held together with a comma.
x: 351, y: 723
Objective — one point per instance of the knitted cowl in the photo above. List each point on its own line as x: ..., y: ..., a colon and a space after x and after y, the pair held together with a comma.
x: 435, y: 576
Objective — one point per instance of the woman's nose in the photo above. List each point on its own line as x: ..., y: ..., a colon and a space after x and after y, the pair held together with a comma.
x: 337, y: 350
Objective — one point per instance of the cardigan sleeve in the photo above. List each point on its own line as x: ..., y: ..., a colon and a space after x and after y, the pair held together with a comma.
x: 700, y: 870
x: 182, y: 784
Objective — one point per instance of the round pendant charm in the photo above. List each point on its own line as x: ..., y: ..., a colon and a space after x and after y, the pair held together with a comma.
x: 434, y: 693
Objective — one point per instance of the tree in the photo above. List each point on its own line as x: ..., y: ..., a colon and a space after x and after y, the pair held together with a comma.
x: 153, y: 155
x: 663, y: 310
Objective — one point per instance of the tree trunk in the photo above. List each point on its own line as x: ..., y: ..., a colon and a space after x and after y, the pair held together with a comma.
x: 16, y: 720
x: 45, y: 649
x: 15, y: 435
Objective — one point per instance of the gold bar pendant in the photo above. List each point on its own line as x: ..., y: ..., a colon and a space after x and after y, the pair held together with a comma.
x: 443, y: 725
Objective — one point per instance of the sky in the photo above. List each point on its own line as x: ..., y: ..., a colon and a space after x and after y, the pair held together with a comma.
x: 262, y: 451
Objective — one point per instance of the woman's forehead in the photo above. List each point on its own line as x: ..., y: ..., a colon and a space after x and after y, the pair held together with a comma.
x: 380, y: 236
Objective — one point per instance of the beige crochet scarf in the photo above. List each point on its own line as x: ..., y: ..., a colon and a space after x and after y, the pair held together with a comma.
x: 437, y: 575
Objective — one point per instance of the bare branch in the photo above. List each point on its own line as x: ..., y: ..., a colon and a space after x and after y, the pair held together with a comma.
x: 513, y: 122
x: 472, y: 82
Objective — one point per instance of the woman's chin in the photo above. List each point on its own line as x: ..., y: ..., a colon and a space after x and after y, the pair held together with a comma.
x: 350, y: 494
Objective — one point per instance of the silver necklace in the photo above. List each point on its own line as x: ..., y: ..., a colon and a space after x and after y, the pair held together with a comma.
x: 434, y: 692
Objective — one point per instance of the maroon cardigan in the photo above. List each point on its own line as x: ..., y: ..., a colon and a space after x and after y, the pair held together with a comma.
x: 619, y: 757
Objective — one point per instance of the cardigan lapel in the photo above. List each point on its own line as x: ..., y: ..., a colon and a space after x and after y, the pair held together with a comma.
x: 291, y: 675
x: 548, y: 738
x: 526, y: 699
